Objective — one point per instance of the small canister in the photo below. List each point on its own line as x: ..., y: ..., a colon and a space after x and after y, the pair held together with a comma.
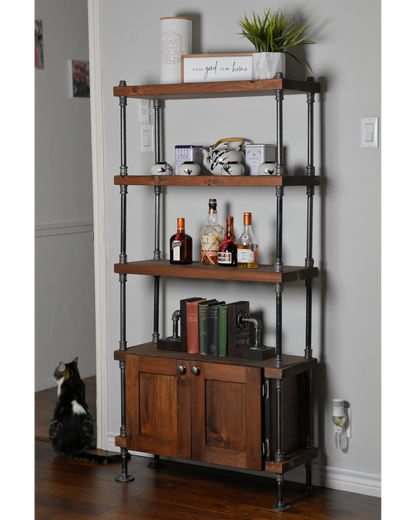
x: 268, y: 168
x: 189, y: 168
x: 232, y: 168
x: 175, y: 40
x: 161, y: 168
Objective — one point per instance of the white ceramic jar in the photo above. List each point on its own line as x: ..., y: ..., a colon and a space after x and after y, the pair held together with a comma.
x: 161, y: 168
x: 268, y: 168
x: 232, y: 168
x: 189, y: 168
x: 175, y: 40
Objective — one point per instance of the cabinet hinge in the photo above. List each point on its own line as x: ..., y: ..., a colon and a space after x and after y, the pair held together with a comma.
x: 265, y: 447
x: 265, y: 389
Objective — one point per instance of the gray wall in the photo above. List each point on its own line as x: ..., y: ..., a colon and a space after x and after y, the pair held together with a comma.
x: 64, y: 271
x: 346, y: 306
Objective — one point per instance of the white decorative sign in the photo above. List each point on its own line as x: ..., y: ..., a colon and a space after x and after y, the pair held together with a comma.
x: 200, y: 68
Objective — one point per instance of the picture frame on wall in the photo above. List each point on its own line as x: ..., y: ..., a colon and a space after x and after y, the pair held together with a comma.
x: 39, y: 64
x: 80, y: 78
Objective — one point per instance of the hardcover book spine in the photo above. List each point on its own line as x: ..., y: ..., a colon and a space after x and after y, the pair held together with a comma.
x: 222, y: 330
x: 213, y: 330
x: 184, y: 329
x: 192, y: 319
x: 203, y: 326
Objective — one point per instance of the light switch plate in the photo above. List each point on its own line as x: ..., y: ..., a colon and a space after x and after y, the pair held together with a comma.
x: 369, y: 132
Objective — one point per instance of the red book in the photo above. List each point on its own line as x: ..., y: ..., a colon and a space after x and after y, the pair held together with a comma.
x: 192, y: 325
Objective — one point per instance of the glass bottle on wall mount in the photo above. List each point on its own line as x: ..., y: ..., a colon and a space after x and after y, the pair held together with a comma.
x: 210, y: 236
x: 247, y: 246
x: 181, y: 245
x: 227, y: 253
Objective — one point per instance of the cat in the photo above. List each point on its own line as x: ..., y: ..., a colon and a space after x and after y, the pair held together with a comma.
x: 71, y: 429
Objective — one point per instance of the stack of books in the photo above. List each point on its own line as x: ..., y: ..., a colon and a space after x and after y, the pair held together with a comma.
x: 209, y: 327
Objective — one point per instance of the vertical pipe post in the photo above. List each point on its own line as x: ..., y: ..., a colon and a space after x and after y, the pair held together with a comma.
x: 280, y: 504
x: 278, y: 362
x: 124, y: 477
x: 279, y: 225
x: 309, y: 262
x: 279, y: 455
x: 157, y: 105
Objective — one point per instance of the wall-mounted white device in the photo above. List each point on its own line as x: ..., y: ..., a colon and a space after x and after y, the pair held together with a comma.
x: 369, y: 132
x: 341, y: 418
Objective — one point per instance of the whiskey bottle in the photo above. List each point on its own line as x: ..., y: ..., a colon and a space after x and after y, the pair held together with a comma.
x: 247, y: 246
x: 181, y: 245
x: 227, y: 253
x: 210, y: 236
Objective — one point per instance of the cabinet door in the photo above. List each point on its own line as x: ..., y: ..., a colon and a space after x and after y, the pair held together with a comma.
x: 158, y: 414
x: 226, y: 415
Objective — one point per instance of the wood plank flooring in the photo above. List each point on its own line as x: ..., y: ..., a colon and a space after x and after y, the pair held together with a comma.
x: 66, y: 489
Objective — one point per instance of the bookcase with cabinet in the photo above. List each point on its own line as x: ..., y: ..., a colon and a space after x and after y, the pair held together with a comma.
x: 244, y: 413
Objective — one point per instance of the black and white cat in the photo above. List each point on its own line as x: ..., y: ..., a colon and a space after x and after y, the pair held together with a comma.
x: 71, y: 429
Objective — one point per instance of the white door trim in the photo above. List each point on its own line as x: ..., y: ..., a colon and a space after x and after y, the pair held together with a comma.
x: 97, y: 145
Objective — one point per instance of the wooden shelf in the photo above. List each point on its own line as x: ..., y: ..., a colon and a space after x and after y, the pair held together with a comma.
x: 217, y: 89
x: 264, y: 273
x: 217, y: 180
x: 292, y: 365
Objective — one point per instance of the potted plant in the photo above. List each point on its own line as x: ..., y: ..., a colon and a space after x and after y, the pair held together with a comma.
x: 272, y: 36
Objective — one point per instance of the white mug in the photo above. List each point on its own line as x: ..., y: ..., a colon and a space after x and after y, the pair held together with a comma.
x: 161, y: 168
x: 268, y: 168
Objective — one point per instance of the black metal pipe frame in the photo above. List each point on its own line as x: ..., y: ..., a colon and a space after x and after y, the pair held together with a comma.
x: 309, y: 262
x: 279, y: 287
x: 124, y: 477
x: 157, y: 105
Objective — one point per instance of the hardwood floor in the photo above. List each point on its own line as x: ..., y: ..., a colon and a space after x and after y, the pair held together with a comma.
x: 66, y: 489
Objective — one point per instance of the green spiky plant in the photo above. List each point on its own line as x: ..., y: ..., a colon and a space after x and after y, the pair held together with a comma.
x: 274, y: 33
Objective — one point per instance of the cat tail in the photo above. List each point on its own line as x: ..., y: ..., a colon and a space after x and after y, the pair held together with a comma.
x: 97, y: 459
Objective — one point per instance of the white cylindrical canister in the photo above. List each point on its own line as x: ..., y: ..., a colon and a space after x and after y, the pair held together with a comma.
x: 176, y: 39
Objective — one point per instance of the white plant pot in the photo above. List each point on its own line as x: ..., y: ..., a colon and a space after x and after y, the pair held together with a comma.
x: 266, y: 65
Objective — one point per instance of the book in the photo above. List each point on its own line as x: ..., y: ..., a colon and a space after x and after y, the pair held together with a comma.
x: 222, y: 330
x: 213, y: 329
x: 192, y: 320
x: 203, y: 326
x: 184, y: 329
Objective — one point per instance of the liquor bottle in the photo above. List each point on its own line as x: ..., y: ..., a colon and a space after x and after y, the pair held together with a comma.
x: 210, y: 236
x: 181, y: 245
x: 227, y: 253
x: 247, y: 246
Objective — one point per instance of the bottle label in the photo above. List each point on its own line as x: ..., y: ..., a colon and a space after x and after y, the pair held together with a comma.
x: 225, y: 258
x: 210, y: 243
x: 245, y: 256
x: 176, y: 249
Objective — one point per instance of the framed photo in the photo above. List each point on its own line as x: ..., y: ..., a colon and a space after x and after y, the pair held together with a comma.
x: 80, y: 78
x: 200, y: 68
x: 38, y: 45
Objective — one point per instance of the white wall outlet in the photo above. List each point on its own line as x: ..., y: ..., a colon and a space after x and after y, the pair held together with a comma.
x: 369, y: 132
x: 146, y: 138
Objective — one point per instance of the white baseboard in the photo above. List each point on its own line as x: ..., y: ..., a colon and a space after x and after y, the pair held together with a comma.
x: 322, y: 476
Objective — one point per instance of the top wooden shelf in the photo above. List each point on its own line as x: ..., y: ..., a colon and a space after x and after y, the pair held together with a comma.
x: 217, y: 180
x: 218, y: 89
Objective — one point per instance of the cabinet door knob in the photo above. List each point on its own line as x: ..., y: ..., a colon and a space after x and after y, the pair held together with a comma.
x: 181, y: 369
x: 195, y: 370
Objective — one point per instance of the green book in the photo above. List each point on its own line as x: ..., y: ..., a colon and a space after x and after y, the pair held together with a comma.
x: 203, y: 326
x: 213, y: 329
x: 222, y: 330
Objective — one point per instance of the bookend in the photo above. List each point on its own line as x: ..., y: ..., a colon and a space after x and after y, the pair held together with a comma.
x: 175, y: 342
x: 239, y: 344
